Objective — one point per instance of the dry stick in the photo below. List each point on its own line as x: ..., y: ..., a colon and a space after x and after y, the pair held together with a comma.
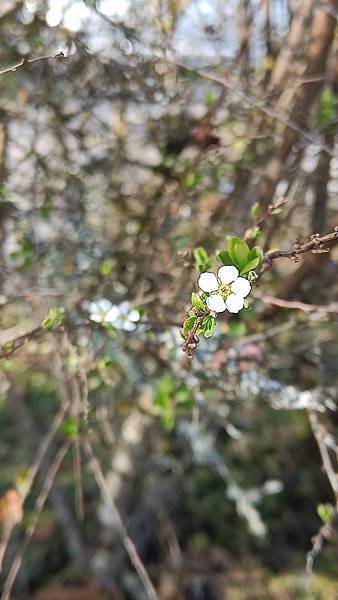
x: 35, y: 466
x: 127, y: 542
x: 25, y: 61
x: 39, y: 504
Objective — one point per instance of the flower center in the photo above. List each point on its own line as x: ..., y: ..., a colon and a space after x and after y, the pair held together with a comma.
x: 224, y: 290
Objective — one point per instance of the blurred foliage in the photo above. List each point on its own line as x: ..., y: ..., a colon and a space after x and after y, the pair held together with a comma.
x: 122, y: 176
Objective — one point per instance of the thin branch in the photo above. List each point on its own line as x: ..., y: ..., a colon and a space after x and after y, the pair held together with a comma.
x: 25, y: 61
x: 39, y: 504
x: 320, y: 434
x: 127, y: 542
x: 318, y: 244
x: 323, y: 534
x: 296, y: 305
x: 35, y: 466
x: 252, y: 102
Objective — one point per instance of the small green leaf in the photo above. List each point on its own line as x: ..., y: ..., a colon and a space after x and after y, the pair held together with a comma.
x: 192, y: 180
x: 224, y: 257
x: 256, y: 252
x: 325, y: 512
x: 197, y: 301
x: 251, y: 266
x: 208, y: 326
x: 203, y: 261
x: 277, y: 212
x: 255, y: 210
x: 238, y: 252
x: 106, y: 267
x: 327, y: 107
x: 70, y: 427
x: 189, y: 323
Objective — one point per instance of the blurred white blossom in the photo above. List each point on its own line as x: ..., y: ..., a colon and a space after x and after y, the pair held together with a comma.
x: 121, y: 316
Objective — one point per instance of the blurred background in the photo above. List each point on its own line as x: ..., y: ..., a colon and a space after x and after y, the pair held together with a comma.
x: 125, y: 162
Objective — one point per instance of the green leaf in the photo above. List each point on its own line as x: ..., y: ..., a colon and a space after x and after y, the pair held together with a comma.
x: 224, y: 257
x: 255, y: 252
x: 208, y: 326
x: 70, y: 427
x: 251, y: 266
x: 255, y: 210
x: 277, y: 212
x: 189, y: 323
x: 325, y: 512
x: 203, y: 261
x: 327, y: 107
x: 106, y: 267
x: 197, y: 301
x: 192, y: 180
x: 238, y: 252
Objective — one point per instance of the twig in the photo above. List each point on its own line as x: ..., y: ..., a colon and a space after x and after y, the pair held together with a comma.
x: 261, y: 106
x: 318, y: 244
x: 25, y: 61
x: 39, y: 504
x: 127, y: 542
x: 323, y: 534
x: 35, y: 466
x: 295, y: 304
x: 320, y: 434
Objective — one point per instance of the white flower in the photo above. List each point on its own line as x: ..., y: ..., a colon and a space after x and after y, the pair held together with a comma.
x: 103, y: 311
x: 122, y: 316
x: 227, y: 289
x: 127, y: 317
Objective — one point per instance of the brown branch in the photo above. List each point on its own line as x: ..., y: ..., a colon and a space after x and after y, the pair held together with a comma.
x: 126, y: 540
x: 318, y: 244
x: 253, y: 103
x: 25, y: 61
x: 39, y: 504
x: 320, y: 434
x: 296, y: 305
x: 323, y: 534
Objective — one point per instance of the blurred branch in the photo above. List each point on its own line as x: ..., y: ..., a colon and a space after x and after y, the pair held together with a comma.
x: 26, y: 61
x: 253, y: 103
x: 322, y: 436
x: 323, y: 534
x: 303, y: 306
x: 39, y: 456
x: 39, y: 504
x: 127, y: 542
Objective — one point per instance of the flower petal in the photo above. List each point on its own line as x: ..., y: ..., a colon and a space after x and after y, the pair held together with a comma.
x: 129, y: 326
x: 111, y: 315
x: 227, y: 274
x: 234, y: 303
x: 104, y: 305
x: 208, y: 282
x: 134, y: 315
x: 216, y: 303
x: 96, y: 317
x: 241, y: 287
